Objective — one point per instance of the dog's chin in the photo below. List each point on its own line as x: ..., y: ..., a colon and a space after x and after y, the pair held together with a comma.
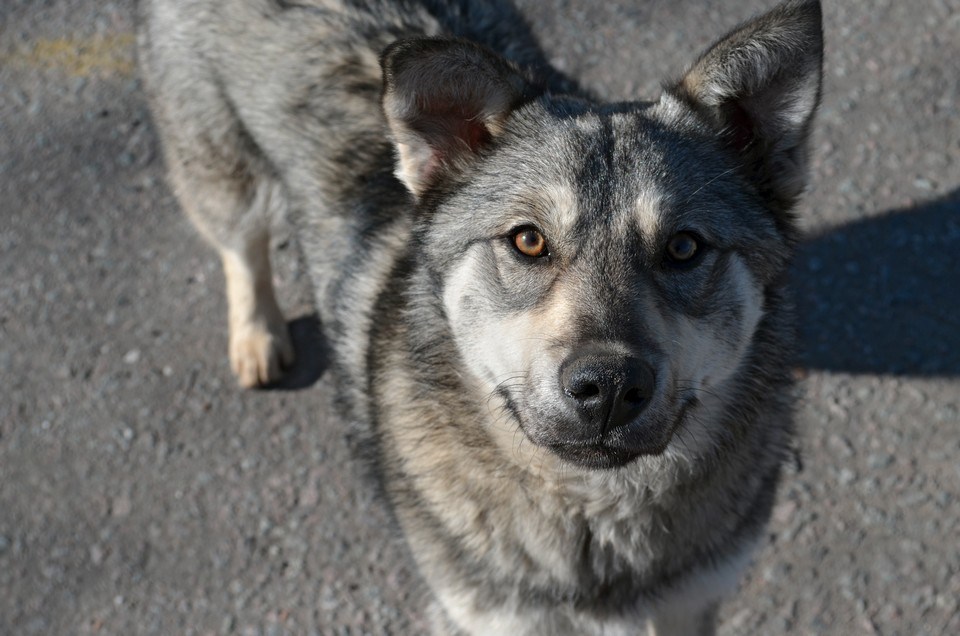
x: 595, y: 457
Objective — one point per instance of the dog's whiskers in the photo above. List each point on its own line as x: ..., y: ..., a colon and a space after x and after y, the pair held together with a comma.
x: 719, y: 176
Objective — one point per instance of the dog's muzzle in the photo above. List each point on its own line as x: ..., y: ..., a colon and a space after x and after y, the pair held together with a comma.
x: 607, y: 394
x: 607, y: 391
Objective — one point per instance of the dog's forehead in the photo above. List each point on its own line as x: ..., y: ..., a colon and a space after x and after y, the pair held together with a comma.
x: 596, y: 167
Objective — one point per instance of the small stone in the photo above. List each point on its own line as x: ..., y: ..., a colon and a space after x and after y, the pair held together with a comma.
x: 132, y: 356
x: 942, y: 499
x: 879, y: 461
x: 122, y: 506
x: 328, y: 601
x: 869, y: 627
x: 784, y: 511
x: 945, y: 602
x: 776, y: 572
x: 846, y: 477
x: 840, y: 445
x: 740, y: 620
x: 780, y: 625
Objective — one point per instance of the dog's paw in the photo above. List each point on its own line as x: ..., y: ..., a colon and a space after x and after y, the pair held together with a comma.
x: 258, y: 353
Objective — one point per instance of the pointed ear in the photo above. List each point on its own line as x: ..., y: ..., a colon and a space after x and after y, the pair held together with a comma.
x: 760, y: 86
x: 445, y: 101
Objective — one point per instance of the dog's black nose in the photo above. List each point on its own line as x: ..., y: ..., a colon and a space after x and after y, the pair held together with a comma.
x: 608, y: 390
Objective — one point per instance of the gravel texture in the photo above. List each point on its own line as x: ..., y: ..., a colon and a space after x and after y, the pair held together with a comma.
x: 142, y: 493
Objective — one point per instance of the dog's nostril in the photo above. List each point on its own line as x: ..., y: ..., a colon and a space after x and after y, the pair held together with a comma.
x: 634, y: 397
x: 584, y: 392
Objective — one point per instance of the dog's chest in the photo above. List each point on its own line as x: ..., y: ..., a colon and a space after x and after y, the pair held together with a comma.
x: 601, y: 537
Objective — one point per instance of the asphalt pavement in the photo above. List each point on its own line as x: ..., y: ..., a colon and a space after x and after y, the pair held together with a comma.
x: 141, y: 492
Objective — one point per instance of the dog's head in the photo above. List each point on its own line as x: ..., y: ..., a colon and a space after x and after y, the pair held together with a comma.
x: 606, y: 270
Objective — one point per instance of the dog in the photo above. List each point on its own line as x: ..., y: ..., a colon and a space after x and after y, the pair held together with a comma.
x: 566, y: 323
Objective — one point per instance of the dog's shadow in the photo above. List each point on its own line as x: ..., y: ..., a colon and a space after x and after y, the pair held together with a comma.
x: 882, y: 295
x: 313, y: 355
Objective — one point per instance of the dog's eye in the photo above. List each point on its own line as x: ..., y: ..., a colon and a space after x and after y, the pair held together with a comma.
x: 530, y: 242
x: 682, y: 248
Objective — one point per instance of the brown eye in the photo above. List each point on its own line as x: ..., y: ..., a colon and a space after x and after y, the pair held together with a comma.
x: 530, y: 242
x: 682, y: 247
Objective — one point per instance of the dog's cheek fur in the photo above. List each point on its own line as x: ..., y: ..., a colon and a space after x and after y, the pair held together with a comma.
x: 506, y: 342
x: 479, y: 326
x: 710, y: 350
x: 506, y: 314
x: 710, y: 347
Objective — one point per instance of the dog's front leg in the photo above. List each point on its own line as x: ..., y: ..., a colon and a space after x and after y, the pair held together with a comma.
x: 259, y: 342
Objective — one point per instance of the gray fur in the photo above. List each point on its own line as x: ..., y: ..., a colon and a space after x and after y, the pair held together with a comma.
x: 526, y: 512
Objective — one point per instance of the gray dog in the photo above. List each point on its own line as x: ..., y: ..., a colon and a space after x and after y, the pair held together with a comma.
x: 565, y: 322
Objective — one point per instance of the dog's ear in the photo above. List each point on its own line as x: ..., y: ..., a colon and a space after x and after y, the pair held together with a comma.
x: 760, y: 86
x: 445, y: 101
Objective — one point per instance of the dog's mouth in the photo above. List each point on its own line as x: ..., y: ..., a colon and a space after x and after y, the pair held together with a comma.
x: 576, y: 442
x: 620, y: 448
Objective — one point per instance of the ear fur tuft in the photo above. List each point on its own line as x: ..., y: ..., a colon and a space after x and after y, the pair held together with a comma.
x: 760, y: 86
x: 445, y: 100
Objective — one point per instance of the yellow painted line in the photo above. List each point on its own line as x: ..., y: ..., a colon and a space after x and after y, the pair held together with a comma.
x: 77, y: 57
